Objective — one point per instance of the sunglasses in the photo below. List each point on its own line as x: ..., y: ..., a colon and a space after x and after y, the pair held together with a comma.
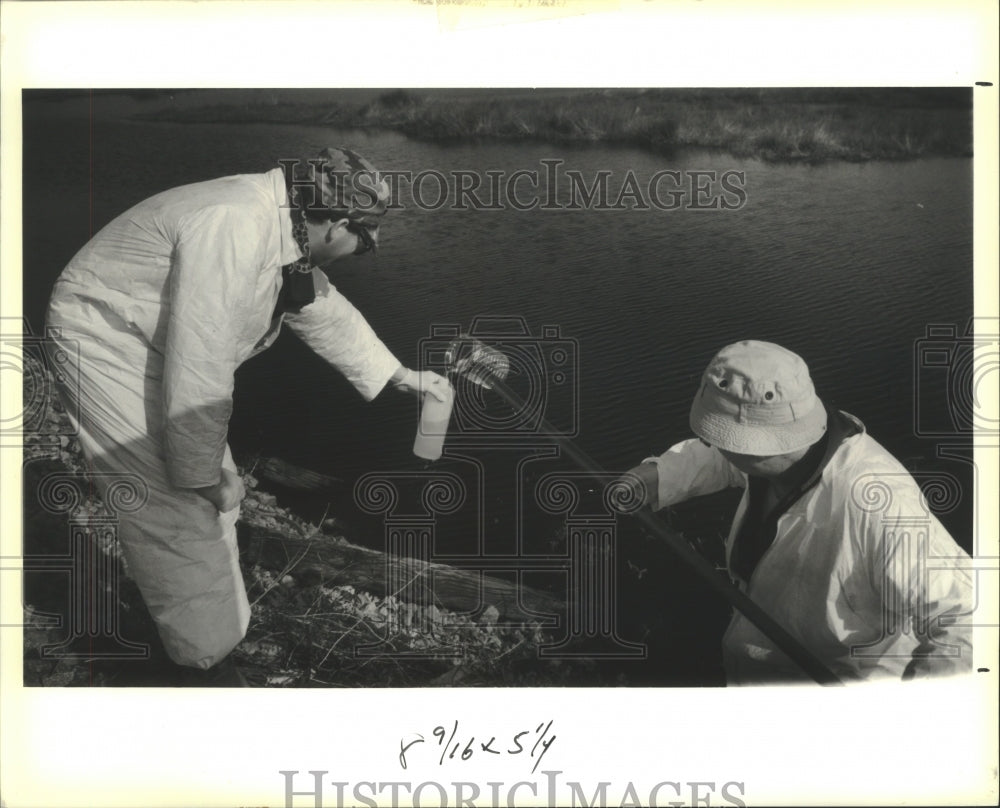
x: 367, y: 237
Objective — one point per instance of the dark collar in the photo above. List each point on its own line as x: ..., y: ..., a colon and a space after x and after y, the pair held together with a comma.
x: 297, y: 287
x: 810, y: 468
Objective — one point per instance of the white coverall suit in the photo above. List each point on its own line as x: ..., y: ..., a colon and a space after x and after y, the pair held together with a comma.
x: 164, y: 304
x: 860, y: 572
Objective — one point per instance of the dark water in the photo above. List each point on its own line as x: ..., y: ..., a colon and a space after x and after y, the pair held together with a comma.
x: 847, y: 265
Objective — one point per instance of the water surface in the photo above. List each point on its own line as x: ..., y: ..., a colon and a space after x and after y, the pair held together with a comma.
x: 846, y: 264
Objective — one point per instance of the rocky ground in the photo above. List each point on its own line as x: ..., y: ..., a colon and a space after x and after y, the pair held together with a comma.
x: 304, y: 631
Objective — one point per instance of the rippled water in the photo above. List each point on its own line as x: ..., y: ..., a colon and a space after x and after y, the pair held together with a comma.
x: 845, y: 264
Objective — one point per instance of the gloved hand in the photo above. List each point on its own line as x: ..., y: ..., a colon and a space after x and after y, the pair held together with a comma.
x: 225, y: 494
x: 420, y: 382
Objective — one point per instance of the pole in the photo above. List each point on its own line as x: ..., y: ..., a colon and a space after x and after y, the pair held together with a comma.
x: 799, y: 654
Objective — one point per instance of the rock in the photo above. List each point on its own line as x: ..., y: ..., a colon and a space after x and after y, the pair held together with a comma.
x: 334, y: 525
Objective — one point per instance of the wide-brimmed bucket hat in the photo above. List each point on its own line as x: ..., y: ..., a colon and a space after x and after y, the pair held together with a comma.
x: 756, y: 398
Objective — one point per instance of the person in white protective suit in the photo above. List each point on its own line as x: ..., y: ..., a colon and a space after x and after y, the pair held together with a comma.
x: 832, y: 538
x: 162, y: 306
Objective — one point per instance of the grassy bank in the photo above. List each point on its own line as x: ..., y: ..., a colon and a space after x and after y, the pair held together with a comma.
x: 782, y: 125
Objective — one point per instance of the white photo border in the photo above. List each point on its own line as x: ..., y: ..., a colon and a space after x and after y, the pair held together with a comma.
x: 930, y: 743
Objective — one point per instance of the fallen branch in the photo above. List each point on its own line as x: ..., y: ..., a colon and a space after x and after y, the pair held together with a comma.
x: 289, y: 475
x: 331, y: 561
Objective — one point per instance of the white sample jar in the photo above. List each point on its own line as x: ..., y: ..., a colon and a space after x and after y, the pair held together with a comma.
x: 433, y: 426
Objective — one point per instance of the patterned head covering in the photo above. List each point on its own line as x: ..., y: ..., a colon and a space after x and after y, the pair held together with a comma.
x: 350, y: 187
x: 339, y: 184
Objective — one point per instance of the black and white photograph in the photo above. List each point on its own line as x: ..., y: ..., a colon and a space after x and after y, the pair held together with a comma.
x: 646, y: 418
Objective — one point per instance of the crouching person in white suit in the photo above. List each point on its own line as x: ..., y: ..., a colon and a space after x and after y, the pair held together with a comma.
x: 162, y: 306
x: 832, y: 538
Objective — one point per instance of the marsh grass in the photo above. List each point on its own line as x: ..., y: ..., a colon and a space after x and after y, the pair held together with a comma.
x: 776, y: 125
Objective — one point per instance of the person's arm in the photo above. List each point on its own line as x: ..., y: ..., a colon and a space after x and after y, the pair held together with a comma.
x: 925, y: 583
x: 687, y: 469
x: 210, y: 288
x: 336, y: 331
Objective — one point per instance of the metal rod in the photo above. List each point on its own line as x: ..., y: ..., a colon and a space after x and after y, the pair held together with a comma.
x: 801, y: 655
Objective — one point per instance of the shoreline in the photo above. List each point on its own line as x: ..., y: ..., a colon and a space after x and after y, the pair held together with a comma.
x: 778, y: 125
x: 313, y: 604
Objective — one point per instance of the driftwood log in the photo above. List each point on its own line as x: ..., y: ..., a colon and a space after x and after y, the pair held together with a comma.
x: 322, y: 558
x: 276, y: 470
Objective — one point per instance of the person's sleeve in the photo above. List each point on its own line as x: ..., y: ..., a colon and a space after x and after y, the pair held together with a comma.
x: 692, y: 469
x: 336, y: 331
x: 925, y: 582
x: 210, y: 290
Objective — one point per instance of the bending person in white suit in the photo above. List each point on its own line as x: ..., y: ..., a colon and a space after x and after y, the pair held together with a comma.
x: 164, y: 304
